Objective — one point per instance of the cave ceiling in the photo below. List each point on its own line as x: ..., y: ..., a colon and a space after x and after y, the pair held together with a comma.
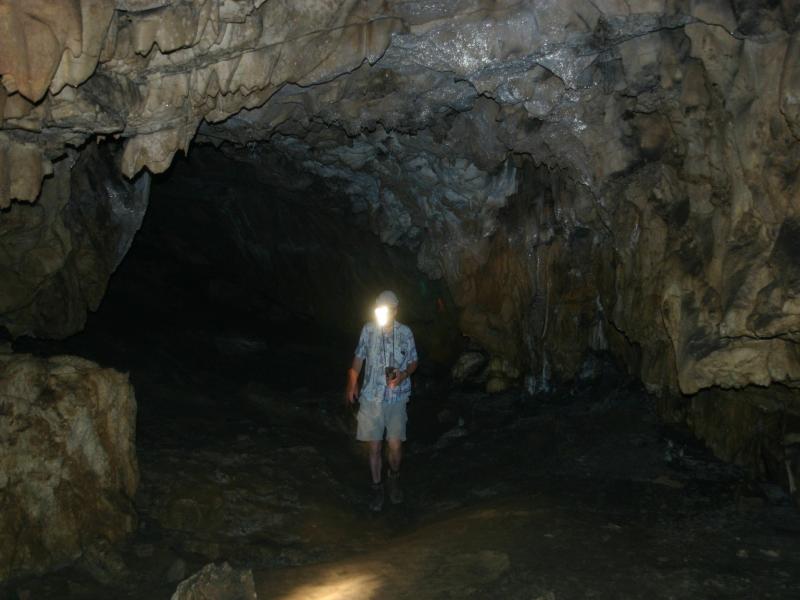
x: 152, y: 73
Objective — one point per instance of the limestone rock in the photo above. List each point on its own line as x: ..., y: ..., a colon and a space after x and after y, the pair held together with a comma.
x: 468, y: 366
x: 498, y: 384
x: 103, y: 563
x: 177, y: 571
x: 49, y: 45
x: 220, y: 582
x: 58, y: 254
x: 502, y: 374
x: 757, y: 428
x: 68, y: 467
x: 22, y: 168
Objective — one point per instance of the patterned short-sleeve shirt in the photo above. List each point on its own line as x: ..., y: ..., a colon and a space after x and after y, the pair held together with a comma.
x: 381, y: 349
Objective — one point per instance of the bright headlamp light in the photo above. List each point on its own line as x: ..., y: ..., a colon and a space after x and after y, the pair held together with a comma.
x: 382, y: 315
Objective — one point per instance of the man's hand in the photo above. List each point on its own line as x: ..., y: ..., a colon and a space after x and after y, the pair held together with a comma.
x: 400, y: 378
x: 402, y: 375
x: 351, y: 391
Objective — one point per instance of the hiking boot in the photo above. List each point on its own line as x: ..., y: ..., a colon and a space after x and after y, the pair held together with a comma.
x: 376, y: 501
x: 395, y: 493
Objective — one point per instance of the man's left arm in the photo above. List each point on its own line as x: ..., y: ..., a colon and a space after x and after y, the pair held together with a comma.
x: 413, y: 360
x: 409, y: 371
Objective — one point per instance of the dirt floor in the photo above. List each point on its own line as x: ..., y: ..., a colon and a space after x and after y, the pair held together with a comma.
x: 576, y: 494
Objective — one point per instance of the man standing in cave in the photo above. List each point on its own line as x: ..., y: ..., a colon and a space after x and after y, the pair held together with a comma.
x: 388, y: 348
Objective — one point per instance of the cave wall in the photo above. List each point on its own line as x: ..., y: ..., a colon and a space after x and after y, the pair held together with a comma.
x: 584, y: 176
x: 533, y: 299
x: 58, y: 254
x: 655, y: 125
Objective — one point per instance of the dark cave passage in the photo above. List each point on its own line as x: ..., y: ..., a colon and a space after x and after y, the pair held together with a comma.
x: 240, y: 302
x: 232, y: 253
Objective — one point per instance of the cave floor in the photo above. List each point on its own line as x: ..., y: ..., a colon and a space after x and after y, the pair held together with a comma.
x: 579, y: 494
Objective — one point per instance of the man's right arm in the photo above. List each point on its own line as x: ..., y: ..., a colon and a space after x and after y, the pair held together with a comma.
x: 351, y: 394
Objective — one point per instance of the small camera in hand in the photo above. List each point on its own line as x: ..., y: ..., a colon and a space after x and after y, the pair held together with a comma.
x: 392, y: 373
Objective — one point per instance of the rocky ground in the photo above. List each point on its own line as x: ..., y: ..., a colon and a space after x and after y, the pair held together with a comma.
x: 577, y: 494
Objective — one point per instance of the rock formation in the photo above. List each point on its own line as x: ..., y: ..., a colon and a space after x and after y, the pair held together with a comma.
x: 68, y: 467
x: 585, y: 176
x: 220, y: 582
x: 59, y: 253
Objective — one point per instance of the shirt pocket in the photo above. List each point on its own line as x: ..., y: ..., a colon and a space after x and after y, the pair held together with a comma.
x: 401, y: 356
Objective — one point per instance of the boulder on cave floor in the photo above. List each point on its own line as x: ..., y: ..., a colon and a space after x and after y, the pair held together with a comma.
x: 220, y: 582
x: 68, y: 468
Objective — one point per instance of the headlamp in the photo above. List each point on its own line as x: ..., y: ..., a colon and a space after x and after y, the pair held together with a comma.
x: 382, y: 315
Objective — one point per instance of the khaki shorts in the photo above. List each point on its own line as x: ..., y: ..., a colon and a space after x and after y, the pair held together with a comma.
x: 375, y: 417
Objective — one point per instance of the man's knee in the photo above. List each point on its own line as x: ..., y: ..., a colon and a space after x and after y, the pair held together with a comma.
x: 394, y: 443
x: 375, y: 448
x: 395, y: 448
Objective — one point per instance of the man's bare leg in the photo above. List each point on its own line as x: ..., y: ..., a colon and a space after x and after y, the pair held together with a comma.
x: 375, y: 465
x: 395, y: 457
x: 375, y: 460
x: 395, y: 454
